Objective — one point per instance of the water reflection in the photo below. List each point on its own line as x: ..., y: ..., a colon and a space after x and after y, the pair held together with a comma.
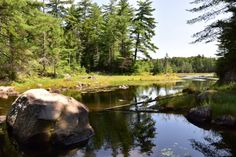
x: 119, y: 133
x: 137, y: 135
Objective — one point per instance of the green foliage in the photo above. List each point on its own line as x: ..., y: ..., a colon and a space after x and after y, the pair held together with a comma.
x: 158, y: 67
x: 143, y: 67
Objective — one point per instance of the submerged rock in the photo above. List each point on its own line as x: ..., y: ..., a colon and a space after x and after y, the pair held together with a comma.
x: 226, y: 120
x: 200, y: 114
x: 40, y: 116
x: 2, y: 119
x: 6, y: 91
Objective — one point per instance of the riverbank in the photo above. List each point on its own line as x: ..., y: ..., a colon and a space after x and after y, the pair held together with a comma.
x: 221, y: 99
x: 216, y: 105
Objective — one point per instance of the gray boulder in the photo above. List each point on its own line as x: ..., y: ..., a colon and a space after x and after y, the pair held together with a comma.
x: 200, y: 114
x: 38, y: 116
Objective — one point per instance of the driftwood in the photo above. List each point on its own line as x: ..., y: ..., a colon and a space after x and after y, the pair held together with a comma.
x: 122, y: 107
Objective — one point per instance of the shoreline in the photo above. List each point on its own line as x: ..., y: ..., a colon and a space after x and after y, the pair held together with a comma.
x: 90, y: 82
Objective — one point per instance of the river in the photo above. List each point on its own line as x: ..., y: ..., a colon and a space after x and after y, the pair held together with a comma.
x: 135, y: 134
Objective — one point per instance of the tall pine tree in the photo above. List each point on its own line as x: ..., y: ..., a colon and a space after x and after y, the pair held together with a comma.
x: 144, y: 29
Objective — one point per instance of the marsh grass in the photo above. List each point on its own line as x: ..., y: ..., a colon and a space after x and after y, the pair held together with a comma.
x: 96, y: 81
x: 224, y: 102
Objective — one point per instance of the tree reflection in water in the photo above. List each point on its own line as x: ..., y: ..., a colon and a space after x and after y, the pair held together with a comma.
x: 121, y: 133
x: 213, y: 146
x: 144, y: 133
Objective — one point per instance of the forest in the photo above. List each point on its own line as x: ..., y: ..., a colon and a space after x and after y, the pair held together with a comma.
x: 53, y: 37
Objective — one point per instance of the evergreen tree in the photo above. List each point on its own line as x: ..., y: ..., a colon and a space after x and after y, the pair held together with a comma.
x: 49, y: 41
x: 95, y: 23
x: 73, y: 46
x: 125, y: 16
x: 144, y: 29
x: 57, y: 7
x: 91, y: 32
x: 110, y: 35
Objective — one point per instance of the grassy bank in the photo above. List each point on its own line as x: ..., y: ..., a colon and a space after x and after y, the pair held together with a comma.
x: 222, y: 100
x: 91, y: 82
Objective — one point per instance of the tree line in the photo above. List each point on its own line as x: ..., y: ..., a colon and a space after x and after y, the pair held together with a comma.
x: 196, y: 64
x: 48, y: 37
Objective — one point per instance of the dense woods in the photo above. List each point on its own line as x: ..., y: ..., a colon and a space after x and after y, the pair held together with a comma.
x: 54, y: 36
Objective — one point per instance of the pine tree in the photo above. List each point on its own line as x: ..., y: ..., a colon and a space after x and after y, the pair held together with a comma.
x: 222, y: 30
x: 48, y: 39
x: 144, y: 29
x: 73, y: 45
x: 57, y: 7
x: 125, y: 15
x: 110, y: 35
x: 96, y: 22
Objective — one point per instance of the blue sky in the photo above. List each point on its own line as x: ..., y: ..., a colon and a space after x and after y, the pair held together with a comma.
x: 173, y: 34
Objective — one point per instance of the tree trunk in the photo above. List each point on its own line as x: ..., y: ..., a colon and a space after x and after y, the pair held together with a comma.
x: 136, y: 47
x: 12, y: 59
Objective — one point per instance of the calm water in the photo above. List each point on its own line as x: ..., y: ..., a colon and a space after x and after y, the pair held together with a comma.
x: 135, y: 134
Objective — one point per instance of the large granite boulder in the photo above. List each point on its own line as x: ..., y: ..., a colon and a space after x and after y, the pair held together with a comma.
x: 38, y: 116
x: 200, y: 114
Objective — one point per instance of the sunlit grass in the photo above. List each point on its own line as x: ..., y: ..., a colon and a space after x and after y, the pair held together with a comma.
x: 97, y: 81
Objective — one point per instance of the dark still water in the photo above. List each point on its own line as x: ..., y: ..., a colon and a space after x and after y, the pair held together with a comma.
x: 119, y: 134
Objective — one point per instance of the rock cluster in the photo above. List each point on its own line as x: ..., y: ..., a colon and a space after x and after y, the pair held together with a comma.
x: 203, y: 114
